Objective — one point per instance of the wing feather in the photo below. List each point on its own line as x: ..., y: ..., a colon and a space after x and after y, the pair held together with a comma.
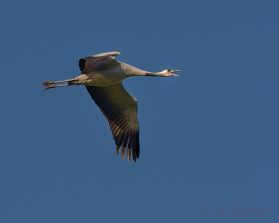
x: 98, y: 62
x: 120, y: 108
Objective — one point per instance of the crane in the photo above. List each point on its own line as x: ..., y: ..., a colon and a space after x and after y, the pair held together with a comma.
x: 102, y: 75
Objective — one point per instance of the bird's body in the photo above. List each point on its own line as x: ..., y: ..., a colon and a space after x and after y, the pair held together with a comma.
x: 103, y: 75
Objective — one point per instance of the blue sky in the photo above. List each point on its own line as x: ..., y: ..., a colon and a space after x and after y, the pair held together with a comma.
x: 209, y: 138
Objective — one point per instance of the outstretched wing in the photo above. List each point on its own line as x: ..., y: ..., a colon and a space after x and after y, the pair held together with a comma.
x: 98, y: 62
x: 120, y: 109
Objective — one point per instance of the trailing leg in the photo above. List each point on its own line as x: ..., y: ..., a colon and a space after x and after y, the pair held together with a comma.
x: 54, y: 84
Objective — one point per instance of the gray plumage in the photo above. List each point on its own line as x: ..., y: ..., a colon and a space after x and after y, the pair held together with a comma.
x: 102, y: 75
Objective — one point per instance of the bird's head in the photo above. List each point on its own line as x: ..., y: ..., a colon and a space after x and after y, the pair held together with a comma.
x: 169, y: 72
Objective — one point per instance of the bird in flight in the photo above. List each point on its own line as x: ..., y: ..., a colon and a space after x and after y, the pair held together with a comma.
x: 102, y: 75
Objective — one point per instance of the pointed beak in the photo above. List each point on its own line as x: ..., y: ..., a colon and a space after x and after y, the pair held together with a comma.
x: 174, y: 71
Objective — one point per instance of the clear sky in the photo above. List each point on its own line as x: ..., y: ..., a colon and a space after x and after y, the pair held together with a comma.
x: 209, y: 138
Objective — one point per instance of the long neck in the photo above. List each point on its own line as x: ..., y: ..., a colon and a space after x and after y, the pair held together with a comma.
x: 133, y: 71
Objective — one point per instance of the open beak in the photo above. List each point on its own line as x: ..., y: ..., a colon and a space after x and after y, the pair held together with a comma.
x: 174, y: 71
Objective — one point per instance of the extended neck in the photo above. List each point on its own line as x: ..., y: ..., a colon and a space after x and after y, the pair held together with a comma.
x: 133, y: 71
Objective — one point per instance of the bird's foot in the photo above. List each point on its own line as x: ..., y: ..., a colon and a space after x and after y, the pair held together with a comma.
x: 49, y: 85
